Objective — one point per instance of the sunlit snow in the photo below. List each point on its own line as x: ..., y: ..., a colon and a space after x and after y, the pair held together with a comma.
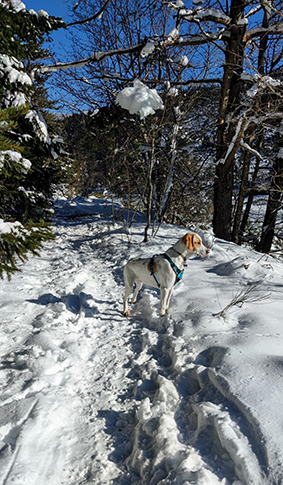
x: 90, y: 396
x: 140, y: 99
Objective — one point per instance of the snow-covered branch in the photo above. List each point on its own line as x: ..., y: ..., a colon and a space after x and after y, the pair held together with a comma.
x: 15, y: 157
x: 236, y: 141
x: 248, y: 148
x: 275, y: 29
x: 243, y: 124
x: 95, y: 57
x: 200, y: 14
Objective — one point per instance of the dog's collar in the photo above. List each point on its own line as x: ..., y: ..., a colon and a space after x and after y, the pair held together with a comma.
x: 180, y: 254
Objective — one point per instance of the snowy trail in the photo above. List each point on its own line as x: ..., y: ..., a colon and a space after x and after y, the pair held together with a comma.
x: 89, y: 396
x: 66, y: 345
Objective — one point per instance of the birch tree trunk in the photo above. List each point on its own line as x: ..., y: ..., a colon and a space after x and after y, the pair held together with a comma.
x: 169, y: 180
x: 151, y: 158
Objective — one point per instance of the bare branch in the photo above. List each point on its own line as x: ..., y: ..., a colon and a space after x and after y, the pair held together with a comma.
x: 94, y: 17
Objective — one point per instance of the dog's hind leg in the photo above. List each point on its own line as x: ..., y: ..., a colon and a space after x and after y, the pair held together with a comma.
x: 128, y: 291
x: 138, y: 287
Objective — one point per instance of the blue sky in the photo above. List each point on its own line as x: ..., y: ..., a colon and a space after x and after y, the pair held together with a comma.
x: 57, y: 8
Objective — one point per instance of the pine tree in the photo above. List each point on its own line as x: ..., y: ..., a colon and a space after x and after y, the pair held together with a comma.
x: 28, y: 151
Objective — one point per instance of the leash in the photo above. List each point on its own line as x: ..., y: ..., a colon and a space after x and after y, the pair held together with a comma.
x: 178, y: 272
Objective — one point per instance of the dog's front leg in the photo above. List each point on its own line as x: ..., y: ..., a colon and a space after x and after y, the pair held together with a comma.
x: 165, y: 294
x: 167, y: 302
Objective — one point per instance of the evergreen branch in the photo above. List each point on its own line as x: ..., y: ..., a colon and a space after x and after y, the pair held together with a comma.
x: 16, y: 245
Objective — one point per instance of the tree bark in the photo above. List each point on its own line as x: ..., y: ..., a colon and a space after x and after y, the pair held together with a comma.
x: 273, y: 205
x: 150, y: 189
x: 252, y: 191
x: 230, y: 90
x: 241, y: 197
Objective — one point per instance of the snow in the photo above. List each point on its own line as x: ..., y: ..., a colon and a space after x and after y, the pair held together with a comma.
x: 243, y: 21
x: 173, y: 35
x: 17, y: 5
x: 15, y: 157
x: 15, y: 99
x: 173, y: 91
x: 39, y: 125
x: 90, y: 396
x: 263, y: 82
x: 6, y: 227
x: 203, y: 14
x: 43, y: 13
x: 214, y: 13
x: 11, y: 67
x: 148, y: 49
x: 139, y: 99
x: 184, y: 60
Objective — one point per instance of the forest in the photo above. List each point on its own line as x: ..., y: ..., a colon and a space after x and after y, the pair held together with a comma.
x: 210, y: 154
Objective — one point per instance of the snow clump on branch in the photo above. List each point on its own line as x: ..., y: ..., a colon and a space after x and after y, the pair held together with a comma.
x: 13, y: 69
x: 263, y: 83
x: 16, y: 5
x: 15, y: 157
x: 6, y: 227
x: 148, y: 49
x: 140, y: 99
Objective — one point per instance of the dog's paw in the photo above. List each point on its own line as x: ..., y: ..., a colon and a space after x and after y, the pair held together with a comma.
x: 127, y: 313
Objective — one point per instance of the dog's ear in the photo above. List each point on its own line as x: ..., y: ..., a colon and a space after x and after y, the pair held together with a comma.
x: 189, y: 241
x: 196, y: 241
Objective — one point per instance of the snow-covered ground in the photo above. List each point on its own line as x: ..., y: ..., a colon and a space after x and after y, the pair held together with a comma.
x: 90, y: 396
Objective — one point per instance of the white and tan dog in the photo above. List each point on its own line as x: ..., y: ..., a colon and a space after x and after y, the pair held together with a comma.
x: 163, y: 271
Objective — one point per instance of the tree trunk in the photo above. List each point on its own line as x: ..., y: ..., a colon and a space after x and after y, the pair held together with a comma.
x: 241, y: 197
x: 230, y: 90
x: 150, y: 189
x: 273, y: 205
x: 169, y: 180
x: 223, y: 203
x: 252, y: 191
x: 269, y: 222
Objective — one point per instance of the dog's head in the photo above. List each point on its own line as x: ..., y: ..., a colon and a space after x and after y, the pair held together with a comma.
x: 195, y: 245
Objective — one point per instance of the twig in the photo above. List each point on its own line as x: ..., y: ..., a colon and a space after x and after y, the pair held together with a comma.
x: 244, y: 296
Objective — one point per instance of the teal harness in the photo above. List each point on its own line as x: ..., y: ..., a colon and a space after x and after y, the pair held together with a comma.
x: 178, y: 272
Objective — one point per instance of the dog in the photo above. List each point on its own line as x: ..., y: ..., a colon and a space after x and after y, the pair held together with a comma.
x: 162, y: 271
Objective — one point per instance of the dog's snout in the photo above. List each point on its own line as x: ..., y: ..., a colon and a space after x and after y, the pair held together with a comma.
x: 207, y: 250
